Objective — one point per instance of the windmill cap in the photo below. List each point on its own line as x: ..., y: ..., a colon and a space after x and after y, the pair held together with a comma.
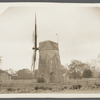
x: 48, y: 45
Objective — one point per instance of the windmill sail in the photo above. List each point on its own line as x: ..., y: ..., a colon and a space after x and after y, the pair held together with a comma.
x: 35, y: 39
x: 35, y: 46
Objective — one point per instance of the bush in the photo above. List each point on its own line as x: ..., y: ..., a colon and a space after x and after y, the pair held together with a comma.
x: 75, y: 87
x: 65, y: 87
x: 36, y: 87
x: 40, y: 80
x: 50, y: 88
x: 98, y: 85
x: 87, y: 73
x: 79, y: 86
x: 43, y: 88
x: 18, y: 89
x: 9, y: 89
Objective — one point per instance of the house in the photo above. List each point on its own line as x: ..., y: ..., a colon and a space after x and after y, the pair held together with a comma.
x: 4, y: 76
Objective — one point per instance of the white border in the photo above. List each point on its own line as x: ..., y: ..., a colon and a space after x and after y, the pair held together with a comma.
x: 40, y: 4
x: 47, y: 95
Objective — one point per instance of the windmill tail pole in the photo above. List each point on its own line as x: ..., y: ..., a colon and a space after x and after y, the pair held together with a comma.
x: 57, y: 39
x: 0, y: 59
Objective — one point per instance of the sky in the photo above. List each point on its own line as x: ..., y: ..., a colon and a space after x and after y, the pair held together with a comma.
x: 78, y: 30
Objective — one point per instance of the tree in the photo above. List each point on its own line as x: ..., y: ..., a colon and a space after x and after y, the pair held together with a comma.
x: 76, y: 68
x: 24, y: 74
x: 87, y: 73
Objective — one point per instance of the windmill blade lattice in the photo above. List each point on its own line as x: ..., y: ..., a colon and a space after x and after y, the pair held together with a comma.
x: 35, y: 46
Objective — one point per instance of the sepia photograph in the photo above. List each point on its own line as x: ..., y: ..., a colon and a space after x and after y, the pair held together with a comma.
x: 49, y: 48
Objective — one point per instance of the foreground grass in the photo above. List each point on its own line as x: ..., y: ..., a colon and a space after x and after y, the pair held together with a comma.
x: 72, y: 86
x: 64, y: 91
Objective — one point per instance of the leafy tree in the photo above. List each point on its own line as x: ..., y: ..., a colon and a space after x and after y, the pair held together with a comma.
x: 24, y: 74
x: 87, y: 73
x: 76, y: 68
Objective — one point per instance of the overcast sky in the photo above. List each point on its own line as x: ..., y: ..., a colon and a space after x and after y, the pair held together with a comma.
x: 78, y: 29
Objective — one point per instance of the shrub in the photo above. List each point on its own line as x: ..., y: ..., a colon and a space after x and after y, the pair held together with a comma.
x: 93, y: 86
x: 36, y: 87
x: 50, y: 88
x: 40, y: 80
x: 65, y: 87
x: 87, y: 73
x: 79, y: 86
x: 18, y: 89
x: 75, y: 87
x: 9, y: 89
x: 43, y: 88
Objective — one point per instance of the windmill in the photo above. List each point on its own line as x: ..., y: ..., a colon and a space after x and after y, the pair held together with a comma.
x: 35, y: 47
x: 49, y: 67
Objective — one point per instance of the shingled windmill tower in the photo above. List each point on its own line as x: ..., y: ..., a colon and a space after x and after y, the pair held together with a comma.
x: 49, y: 66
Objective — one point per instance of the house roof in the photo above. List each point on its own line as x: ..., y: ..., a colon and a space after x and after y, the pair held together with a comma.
x: 2, y: 71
